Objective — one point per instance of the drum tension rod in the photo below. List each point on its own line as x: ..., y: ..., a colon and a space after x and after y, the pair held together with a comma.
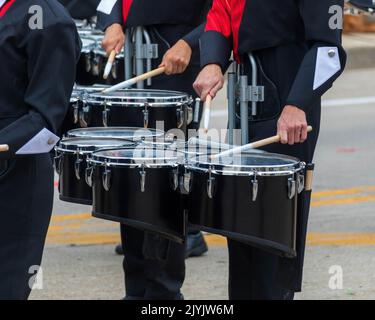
x: 174, y: 179
x: 300, y: 182
x: 88, y: 176
x: 106, y: 177
x: 210, y: 184
x: 77, y: 166
x: 292, y: 188
x: 255, y: 187
x: 180, y: 117
x: 143, y: 178
x: 106, y: 111
x: 146, y: 116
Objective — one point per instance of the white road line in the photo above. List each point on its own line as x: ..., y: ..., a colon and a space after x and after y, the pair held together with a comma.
x: 325, y: 103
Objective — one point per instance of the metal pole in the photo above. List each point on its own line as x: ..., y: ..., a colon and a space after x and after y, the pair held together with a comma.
x: 231, y: 102
x: 254, y: 81
x: 244, y: 110
x: 148, y: 61
x: 138, y: 55
x: 128, y: 55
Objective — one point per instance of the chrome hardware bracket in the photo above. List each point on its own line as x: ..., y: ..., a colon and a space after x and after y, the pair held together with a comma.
x: 146, y: 51
x: 76, y: 112
x: 190, y: 115
x: 88, y: 176
x: 95, y: 70
x: 292, y: 188
x: 106, y: 178
x: 57, y: 161
x: 300, y: 182
x: 105, y: 113
x: 143, y: 179
x: 210, y: 184
x: 254, y: 188
x: 180, y: 117
x: 174, y: 179
x: 186, y: 183
x: 77, y: 166
x: 146, y: 116
x: 250, y: 93
x: 84, y: 115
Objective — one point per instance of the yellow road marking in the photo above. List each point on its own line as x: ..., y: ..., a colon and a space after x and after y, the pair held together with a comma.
x: 331, y: 202
x: 313, y: 239
x: 67, y: 217
x: 79, y: 226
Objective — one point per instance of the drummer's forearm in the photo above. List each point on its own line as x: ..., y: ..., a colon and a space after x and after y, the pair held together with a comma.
x: 114, y: 17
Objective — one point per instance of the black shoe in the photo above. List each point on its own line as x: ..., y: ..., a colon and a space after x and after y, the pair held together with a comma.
x: 118, y: 250
x: 196, y: 245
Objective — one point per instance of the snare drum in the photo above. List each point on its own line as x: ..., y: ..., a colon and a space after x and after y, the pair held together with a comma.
x: 251, y: 198
x: 74, y: 119
x: 139, y: 108
x: 139, y: 187
x: 127, y: 133
x: 70, y: 164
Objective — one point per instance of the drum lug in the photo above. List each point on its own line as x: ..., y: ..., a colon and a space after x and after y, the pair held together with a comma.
x: 57, y: 161
x: 145, y: 116
x: 300, y: 183
x: 186, y: 183
x: 190, y: 113
x: 88, y: 63
x: 210, y: 185
x: 174, y: 179
x: 180, y: 117
x: 84, y: 116
x: 75, y: 113
x: 77, y: 167
x: 95, y: 66
x: 88, y: 176
x: 114, y: 70
x: 107, y: 178
x: 143, y: 179
x: 106, y: 114
x: 254, y: 188
x: 292, y: 188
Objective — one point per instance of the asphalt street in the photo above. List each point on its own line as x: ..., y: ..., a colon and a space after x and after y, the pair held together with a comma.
x: 79, y: 260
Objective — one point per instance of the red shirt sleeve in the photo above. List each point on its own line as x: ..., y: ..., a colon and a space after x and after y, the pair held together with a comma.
x: 219, y: 18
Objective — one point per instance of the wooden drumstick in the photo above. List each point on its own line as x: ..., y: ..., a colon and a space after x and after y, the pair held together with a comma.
x: 254, y: 145
x: 207, y: 112
x: 108, y: 67
x: 130, y: 82
x: 4, y: 148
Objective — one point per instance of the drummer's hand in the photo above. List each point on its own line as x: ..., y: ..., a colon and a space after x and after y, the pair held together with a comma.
x: 177, y: 58
x: 292, y: 125
x: 114, y: 38
x: 210, y: 80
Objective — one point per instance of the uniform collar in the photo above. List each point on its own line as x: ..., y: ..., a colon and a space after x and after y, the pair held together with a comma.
x: 4, y: 6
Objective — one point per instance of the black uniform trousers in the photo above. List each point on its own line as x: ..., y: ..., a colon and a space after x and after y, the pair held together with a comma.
x: 255, y: 274
x: 155, y: 267
x: 26, y: 199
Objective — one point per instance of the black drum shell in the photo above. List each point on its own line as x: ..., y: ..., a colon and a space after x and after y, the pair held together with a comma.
x: 159, y: 209
x: 268, y: 223
x: 133, y: 116
x: 71, y: 189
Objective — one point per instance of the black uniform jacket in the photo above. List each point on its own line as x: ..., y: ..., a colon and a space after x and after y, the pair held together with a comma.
x: 81, y: 9
x: 37, y: 69
x: 135, y: 13
x: 313, y: 28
